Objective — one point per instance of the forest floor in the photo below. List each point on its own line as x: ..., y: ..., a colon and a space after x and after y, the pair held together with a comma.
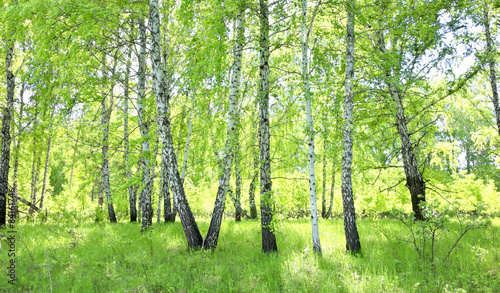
x: 103, y: 257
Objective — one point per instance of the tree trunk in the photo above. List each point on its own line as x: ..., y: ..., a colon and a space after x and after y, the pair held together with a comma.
x: 351, y: 231
x: 323, y: 181
x: 189, y: 225
x: 34, y: 166
x: 6, y: 138
x: 17, y: 143
x: 179, y: 140
x: 105, y: 165
x: 332, y: 188
x: 266, y: 211
x: 153, y: 175
x: 216, y: 221
x: 237, y: 170
x: 128, y: 171
x: 168, y: 213
x: 240, y: 38
x: 73, y: 160
x: 251, y: 189
x: 414, y: 180
x: 47, y: 160
x: 160, y: 194
x: 186, y: 149
x: 147, y: 211
x: 491, y: 63
x: 309, y: 132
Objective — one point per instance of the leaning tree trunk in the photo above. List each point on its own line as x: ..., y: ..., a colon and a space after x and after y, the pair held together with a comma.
x: 6, y: 139
x: 189, y: 225
x: 147, y: 211
x: 310, y: 132
x: 351, y: 231
x: 414, y: 180
x: 266, y: 212
x: 216, y: 221
x: 491, y: 63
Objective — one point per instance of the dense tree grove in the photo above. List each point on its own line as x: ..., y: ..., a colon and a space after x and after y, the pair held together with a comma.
x: 215, y: 109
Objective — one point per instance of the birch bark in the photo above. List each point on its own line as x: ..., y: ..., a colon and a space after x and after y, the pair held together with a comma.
x: 351, y: 231
x: 5, y: 134
x: 309, y: 131
x: 215, y: 223
x: 126, y: 141
x: 266, y: 211
x: 146, y: 223
x: 189, y: 225
x: 105, y: 164
x: 414, y: 180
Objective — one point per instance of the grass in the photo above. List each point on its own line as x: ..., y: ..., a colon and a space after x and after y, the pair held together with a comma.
x: 101, y: 257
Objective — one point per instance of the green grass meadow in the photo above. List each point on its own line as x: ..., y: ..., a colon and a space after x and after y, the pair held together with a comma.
x: 103, y: 257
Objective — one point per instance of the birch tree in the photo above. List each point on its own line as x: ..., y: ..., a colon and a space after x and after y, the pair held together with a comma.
x: 126, y: 141
x: 211, y: 239
x: 266, y: 211
x: 351, y: 231
x: 189, y: 225
x: 6, y: 120
x: 105, y: 117
x: 309, y: 130
x: 144, y: 129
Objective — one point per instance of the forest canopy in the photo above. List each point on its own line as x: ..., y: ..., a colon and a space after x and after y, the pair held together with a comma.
x: 119, y: 111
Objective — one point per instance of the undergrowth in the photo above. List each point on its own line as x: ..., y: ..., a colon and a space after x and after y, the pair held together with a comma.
x: 101, y: 257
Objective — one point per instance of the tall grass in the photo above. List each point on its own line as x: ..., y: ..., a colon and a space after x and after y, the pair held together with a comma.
x: 118, y: 258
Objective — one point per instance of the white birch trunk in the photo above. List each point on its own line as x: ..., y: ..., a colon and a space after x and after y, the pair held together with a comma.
x: 414, y: 179
x: 126, y: 141
x: 146, y: 208
x: 353, y: 244
x: 266, y: 209
x: 105, y: 163
x: 216, y: 221
x: 5, y: 132
x: 309, y: 132
x: 189, y: 225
